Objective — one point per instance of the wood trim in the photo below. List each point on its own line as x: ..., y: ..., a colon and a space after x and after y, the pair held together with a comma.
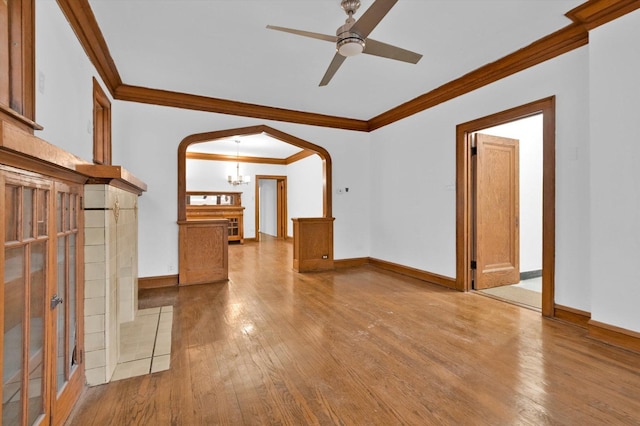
x: 282, y: 214
x: 613, y: 335
x: 571, y: 315
x: 145, y: 283
x: 18, y: 56
x: 222, y: 106
x: 19, y: 120
x: 555, y: 44
x: 23, y: 150
x: 299, y: 156
x: 259, y: 160
x: 25, y: 90
x: 84, y: 24
x: 351, y: 263
x: 233, y: 158
x: 101, y: 125
x: 545, y: 106
x: 252, y: 130
x: 594, y: 13
x: 112, y: 175
x: 414, y: 273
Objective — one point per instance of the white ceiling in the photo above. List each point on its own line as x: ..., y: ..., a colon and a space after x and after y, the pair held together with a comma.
x: 258, y: 145
x: 221, y: 48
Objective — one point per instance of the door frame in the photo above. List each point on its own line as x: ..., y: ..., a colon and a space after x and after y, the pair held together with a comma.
x: 464, y: 215
x: 281, y: 204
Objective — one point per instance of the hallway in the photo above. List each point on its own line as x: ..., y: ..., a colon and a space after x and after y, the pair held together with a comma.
x: 362, y: 346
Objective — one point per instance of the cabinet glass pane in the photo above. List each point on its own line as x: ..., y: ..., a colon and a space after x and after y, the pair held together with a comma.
x: 36, y: 328
x: 60, y: 314
x: 11, y: 209
x: 42, y: 209
x: 14, y: 295
x: 27, y: 213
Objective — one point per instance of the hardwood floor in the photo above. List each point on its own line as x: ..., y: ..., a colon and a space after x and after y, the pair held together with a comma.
x: 363, y: 346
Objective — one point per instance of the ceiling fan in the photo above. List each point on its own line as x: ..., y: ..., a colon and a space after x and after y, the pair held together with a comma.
x: 352, y: 37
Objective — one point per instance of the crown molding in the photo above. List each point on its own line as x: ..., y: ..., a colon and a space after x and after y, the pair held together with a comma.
x: 84, y: 24
x: 259, y: 160
x: 299, y: 156
x: 588, y: 15
x: 221, y: 157
x: 594, y: 13
x: 223, y: 106
x: 555, y: 44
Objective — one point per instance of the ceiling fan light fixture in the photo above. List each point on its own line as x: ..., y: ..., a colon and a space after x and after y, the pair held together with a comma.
x: 350, y: 46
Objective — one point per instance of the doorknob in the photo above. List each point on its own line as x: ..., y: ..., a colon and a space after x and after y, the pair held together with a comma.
x: 55, y: 301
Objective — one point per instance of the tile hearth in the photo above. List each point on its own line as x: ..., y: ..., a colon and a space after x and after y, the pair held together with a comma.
x: 145, y: 343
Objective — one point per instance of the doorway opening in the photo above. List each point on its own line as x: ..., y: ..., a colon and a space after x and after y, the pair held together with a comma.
x: 271, y: 206
x: 506, y: 225
x: 479, y: 220
x: 308, y: 149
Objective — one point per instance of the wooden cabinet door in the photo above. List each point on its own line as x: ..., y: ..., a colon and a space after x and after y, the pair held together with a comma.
x: 66, y: 304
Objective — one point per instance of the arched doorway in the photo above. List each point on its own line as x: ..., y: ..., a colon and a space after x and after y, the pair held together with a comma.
x: 244, y: 131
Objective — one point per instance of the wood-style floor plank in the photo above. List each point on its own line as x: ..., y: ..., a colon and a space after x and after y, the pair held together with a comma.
x: 362, y: 346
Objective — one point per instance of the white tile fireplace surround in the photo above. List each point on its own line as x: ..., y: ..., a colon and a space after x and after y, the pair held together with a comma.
x: 111, y: 275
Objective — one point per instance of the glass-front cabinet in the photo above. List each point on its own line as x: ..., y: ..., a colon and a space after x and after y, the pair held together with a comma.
x: 40, y: 293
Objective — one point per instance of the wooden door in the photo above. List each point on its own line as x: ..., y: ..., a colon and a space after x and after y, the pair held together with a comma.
x: 31, y: 392
x: 497, y: 231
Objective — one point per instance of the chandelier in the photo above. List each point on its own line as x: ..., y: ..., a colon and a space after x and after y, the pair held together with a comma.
x: 239, y: 179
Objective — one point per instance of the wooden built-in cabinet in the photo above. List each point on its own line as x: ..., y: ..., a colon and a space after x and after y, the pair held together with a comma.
x: 45, y: 265
x: 203, y: 251
x: 207, y: 205
x: 312, y: 244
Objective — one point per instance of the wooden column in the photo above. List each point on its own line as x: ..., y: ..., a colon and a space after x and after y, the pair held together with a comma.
x: 313, y: 244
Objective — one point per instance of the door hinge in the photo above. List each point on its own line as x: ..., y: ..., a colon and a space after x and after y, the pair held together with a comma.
x: 473, y: 264
x: 474, y: 150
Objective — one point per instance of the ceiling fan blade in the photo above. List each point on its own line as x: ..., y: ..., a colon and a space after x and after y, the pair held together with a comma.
x: 304, y: 33
x: 338, y: 59
x: 378, y: 48
x: 372, y: 17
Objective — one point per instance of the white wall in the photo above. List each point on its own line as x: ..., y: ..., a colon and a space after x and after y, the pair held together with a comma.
x: 268, y: 207
x: 64, y: 85
x: 413, y: 206
x: 529, y: 132
x: 146, y: 139
x: 615, y: 163
x: 304, y: 189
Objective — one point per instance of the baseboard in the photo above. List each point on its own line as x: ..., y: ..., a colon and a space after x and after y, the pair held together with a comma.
x: 351, y: 263
x: 615, y: 336
x: 414, y: 273
x: 527, y: 275
x: 157, y: 282
x: 571, y: 315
